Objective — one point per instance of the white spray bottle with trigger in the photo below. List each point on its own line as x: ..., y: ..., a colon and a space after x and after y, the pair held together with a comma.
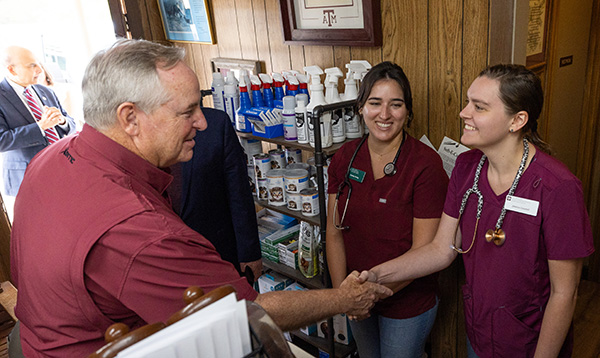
x: 332, y: 96
x: 317, y: 98
x: 352, y: 120
x: 218, y: 90
x: 368, y: 66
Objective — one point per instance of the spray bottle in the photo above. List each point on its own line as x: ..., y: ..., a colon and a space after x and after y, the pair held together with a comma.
x: 292, y: 85
x: 242, y: 124
x: 332, y: 96
x: 318, y: 98
x: 302, y: 118
x: 278, y: 82
x: 303, y: 79
x: 353, y: 123
x: 267, y: 91
x: 257, y: 98
x: 232, y: 102
x: 218, y: 89
x: 365, y: 64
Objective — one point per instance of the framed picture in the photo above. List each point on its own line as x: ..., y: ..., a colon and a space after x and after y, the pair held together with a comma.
x: 537, y: 32
x: 186, y: 21
x: 331, y: 22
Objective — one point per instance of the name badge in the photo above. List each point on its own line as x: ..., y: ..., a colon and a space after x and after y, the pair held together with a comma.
x: 521, y: 205
x: 357, y: 175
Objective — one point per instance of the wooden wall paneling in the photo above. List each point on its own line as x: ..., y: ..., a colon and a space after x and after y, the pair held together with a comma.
x: 247, y: 29
x: 297, y: 58
x: 262, y: 34
x: 501, y: 31
x: 280, y: 53
x: 445, y: 42
x: 154, y: 21
x: 321, y: 56
x: 371, y: 54
x: 590, y: 140
x: 405, y: 34
x: 226, y: 28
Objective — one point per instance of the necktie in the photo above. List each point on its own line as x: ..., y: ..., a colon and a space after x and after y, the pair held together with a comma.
x: 51, y: 133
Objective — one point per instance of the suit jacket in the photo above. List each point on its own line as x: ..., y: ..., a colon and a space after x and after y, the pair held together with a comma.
x: 20, y: 136
x: 216, y: 198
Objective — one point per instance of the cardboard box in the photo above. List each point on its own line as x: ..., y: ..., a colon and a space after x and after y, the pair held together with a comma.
x: 341, y: 326
x: 272, y: 281
x: 288, y: 252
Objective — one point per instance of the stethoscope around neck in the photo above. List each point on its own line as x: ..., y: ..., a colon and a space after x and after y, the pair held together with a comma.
x: 389, y: 170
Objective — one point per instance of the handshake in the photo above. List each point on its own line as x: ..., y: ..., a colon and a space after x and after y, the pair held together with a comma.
x: 362, y: 294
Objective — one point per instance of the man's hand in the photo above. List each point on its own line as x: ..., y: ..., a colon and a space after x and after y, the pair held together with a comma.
x: 362, y: 296
x: 255, y: 266
x: 51, y: 116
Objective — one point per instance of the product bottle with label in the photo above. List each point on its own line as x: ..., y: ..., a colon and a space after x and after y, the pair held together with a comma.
x: 242, y: 124
x: 317, y: 98
x: 352, y: 120
x: 302, y: 118
x: 332, y: 96
x: 267, y: 91
x: 257, y: 97
x: 278, y: 82
x: 307, y: 253
x: 218, y: 91
x: 232, y: 102
x: 288, y: 115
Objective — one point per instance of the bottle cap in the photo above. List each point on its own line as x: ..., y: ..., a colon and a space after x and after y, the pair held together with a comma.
x: 218, y: 77
x: 302, y: 97
x: 289, y: 103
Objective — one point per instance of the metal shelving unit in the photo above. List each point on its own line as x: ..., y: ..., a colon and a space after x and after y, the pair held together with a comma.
x: 323, y: 279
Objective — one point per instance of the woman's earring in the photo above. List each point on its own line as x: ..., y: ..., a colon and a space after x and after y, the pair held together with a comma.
x: 512, y: 130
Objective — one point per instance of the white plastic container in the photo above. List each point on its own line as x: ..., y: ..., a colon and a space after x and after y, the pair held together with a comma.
x: 288, y: 115
x: 232, y: 102
x: 302, y: 119
x: 218, y: 91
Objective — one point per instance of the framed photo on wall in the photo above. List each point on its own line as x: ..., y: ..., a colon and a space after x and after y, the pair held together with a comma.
x: 331, y: 22
x: 186, y: 20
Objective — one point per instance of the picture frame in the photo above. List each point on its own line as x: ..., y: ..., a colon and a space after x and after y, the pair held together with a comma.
x: 331, y: 22
x: 537, y: 33
x: 187, y: 21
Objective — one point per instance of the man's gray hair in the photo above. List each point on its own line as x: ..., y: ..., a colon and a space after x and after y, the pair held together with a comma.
x: 126, y: 72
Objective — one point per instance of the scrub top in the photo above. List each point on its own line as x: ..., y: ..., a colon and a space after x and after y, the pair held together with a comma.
x: 507, y: 287
x: 380, y: 215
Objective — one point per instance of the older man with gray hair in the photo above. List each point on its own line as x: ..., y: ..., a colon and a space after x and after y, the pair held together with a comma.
x: 116, y: 252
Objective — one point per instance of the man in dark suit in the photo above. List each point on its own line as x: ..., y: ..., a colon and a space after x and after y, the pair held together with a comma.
x: 22, y: 135
x: 216, y: 199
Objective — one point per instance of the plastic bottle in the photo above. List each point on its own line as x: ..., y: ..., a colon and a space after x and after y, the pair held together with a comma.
x: 302, y: 118
x: 278, y: 82
x: 231, y: 80
x: 218, y: 89
x: 242, y: 124
x: 257, y: 98
x: 303, y: 87
x: 267, y: 91
x: 288, y: 115
x: 352, y: 121
x: 332, y: 96
x: 232, y: 102
x: 292, y: 85
x: 307, y: 253
x: 318, y: 98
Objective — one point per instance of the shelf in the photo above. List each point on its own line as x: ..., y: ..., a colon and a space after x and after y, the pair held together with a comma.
x: 281, y: 141
x: 341, y: 350
x: 315, y: 282
x: 313, y: 220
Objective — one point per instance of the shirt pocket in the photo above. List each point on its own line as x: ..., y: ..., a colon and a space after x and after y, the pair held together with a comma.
x: 468, y: 308
x: 13, y: 176
x: 511, y: 337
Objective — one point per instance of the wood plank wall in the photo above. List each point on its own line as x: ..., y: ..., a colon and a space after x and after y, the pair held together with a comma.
x: 441, y: 44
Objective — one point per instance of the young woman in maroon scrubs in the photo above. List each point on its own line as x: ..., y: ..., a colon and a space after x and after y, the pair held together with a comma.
x: 386, y: 197
x: 517, y: 216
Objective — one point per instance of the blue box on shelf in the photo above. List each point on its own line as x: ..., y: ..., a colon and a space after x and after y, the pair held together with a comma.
x: 267, y: 131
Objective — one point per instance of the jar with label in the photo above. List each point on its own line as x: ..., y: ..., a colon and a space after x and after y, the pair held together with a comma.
x: 277, y: 159
x: 310, y: 202
x: 294, y: 201
x: 295, y: 180
x: 276, y: 187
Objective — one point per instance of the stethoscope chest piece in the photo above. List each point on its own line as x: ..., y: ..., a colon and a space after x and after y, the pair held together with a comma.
x: 389, y: 169
x: 496, y: 236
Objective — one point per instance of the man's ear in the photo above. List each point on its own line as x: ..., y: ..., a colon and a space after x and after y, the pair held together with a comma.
x: 128, y: 118
x: 519, y: 121
x: 11, y: 70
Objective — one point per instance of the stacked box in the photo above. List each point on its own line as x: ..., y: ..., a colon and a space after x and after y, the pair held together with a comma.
x: 288, y: 252
x: 268, y: 245
x: 272, y: 281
